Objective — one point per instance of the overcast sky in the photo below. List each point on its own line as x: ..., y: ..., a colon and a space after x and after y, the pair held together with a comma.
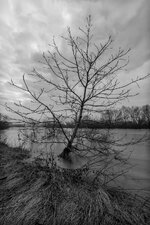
x: 27, y: 27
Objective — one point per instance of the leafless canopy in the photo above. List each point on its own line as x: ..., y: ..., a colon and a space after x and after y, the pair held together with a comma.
x: 80, y: 81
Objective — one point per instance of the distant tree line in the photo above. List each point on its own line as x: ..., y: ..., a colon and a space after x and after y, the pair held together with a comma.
x: 126, y: 117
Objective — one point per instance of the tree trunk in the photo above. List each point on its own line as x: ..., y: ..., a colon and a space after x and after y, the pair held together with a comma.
x: 65, y: 153
x: 67, y: 150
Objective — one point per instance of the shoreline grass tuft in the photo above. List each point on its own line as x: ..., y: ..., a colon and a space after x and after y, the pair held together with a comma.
x: 34, y: 194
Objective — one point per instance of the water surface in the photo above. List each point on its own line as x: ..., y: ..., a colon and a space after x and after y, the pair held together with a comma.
x: 137, y: 178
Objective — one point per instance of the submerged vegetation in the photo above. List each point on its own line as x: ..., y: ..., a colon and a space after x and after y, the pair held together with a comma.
x: 32, y: 193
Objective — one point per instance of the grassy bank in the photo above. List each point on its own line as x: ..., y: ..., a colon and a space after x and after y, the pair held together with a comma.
x: 34, y: 194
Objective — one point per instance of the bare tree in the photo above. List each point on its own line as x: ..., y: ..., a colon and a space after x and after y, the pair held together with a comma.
x: 81, y: 82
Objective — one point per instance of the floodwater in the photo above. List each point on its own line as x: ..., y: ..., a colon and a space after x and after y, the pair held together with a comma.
x: 136, y: 179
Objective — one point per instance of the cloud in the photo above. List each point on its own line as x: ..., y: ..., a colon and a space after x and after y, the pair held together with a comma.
x: 141, y: 88
x: 136, y: 34
x: 27, y: 27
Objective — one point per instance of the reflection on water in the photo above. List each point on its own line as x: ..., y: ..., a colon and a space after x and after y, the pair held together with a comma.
x: 136, y: 178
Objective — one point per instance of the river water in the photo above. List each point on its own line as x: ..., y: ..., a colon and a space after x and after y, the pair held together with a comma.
x: 136, y: 179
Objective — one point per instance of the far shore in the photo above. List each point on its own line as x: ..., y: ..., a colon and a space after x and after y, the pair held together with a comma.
x: 86, y: 126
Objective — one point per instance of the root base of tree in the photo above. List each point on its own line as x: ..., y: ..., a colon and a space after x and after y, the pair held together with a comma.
x: 65, y: 154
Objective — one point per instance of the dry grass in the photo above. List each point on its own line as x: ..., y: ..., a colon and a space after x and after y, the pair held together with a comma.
x: 34, y: 194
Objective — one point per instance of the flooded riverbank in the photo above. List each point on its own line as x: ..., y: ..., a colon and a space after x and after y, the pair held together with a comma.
x: 137, y: 178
